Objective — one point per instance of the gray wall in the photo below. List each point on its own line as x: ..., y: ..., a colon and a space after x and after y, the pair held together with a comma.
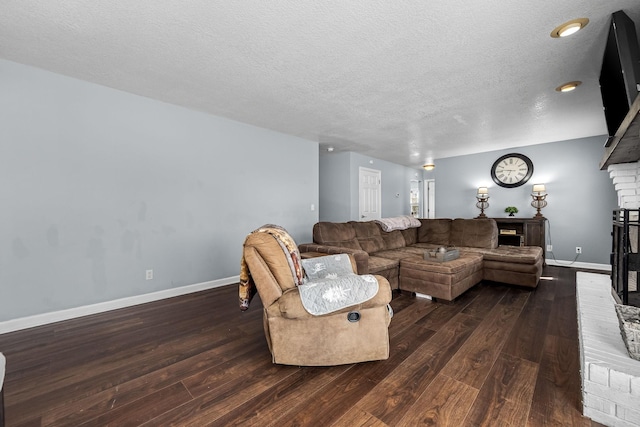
x: 580, y: 201
x: 335, y: 193
x: 99, y: 185
x: 339, y: 173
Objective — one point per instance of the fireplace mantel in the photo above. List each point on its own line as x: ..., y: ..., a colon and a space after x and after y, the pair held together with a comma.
x: 624, y: 147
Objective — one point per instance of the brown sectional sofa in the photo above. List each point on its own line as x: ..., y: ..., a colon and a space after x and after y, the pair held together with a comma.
x: 398, y: 255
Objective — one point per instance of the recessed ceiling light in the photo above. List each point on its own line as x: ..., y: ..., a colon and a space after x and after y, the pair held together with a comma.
x: 330, y: 149
x: 568, y: 87
x: 569, y: 28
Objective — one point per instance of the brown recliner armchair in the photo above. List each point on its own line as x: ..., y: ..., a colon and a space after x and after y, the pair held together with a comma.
x: 296, y: 337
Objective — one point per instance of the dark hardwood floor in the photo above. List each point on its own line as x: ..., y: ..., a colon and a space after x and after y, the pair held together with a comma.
x: 498, y: 356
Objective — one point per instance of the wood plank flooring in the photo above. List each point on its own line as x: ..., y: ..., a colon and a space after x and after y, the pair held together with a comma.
x: 498, y: 356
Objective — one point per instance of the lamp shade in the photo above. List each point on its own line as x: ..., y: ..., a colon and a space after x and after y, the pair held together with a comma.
x: 539, y: 188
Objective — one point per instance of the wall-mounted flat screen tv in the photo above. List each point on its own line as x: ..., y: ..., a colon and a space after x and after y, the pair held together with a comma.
x: 620, y: 72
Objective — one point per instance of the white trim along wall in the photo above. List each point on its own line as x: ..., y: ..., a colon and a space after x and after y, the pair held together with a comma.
x: 72, y: 313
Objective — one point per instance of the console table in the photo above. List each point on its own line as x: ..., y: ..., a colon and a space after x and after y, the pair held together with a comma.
x: 521, y: 232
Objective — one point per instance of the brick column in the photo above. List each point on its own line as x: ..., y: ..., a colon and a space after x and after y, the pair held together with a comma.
x: 627, y: 184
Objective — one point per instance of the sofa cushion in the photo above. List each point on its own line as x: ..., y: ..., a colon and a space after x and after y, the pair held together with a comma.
x: 400, y: 253
x: 335, y: 234
x: 478, y: 233
x: 410, y: 236
x: 378, y: 264
x: 435, y: 231
x: 369, y: 236
x: 514, y: 254
x: 515, y: 267
x: 393, y: 239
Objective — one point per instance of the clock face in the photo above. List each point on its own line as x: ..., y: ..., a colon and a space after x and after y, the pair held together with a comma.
x: 512, y: 170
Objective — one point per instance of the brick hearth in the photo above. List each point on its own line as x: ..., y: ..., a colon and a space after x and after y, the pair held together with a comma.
x: 610, y: 378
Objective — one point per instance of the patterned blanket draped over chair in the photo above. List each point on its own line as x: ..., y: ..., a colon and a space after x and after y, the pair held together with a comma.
x: 247, y: 287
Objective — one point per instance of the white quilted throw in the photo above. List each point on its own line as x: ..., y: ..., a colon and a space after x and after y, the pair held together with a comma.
x: 327, y: 267
x: 398, y: 223
x: 323, y: 296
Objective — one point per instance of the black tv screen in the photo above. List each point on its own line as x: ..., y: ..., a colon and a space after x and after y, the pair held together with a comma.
x: 620, y: 72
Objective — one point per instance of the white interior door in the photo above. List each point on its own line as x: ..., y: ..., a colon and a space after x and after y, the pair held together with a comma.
x: 429, y: 199
x: 370, y: 194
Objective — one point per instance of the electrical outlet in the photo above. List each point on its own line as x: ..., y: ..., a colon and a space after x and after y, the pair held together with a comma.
x: 549, y: 248
x: 149, y: 274
x: 578, y: 250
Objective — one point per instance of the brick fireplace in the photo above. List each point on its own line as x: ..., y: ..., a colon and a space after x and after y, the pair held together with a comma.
x: 626, y: 181
x: 610, y: 378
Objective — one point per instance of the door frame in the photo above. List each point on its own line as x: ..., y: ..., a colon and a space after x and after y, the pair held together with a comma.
x: 429, y: 199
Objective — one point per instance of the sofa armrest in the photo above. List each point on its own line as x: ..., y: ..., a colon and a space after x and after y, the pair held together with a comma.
x: 361, y: 257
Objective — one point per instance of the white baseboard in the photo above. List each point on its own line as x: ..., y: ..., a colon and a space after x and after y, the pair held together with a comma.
x: 576, y: 264
x: 72, y: 313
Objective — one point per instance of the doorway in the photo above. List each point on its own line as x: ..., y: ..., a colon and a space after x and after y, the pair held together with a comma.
x: 415, y: 199
x: 370, y: 194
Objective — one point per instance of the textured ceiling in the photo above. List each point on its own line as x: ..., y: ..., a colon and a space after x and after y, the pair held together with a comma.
x: 402, y: 81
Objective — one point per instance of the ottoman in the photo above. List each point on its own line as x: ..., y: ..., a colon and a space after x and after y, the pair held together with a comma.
x: 443, y: 280
x: 516, y: 265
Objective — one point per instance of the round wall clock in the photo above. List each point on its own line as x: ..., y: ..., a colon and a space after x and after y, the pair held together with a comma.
x: 512, y: 170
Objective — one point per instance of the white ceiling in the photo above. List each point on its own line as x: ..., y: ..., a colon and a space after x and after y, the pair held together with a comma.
x: 397, y: 80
